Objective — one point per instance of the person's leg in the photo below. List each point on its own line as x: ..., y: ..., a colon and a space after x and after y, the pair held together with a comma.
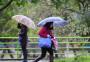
x: 2, y: 55
x: 56, y: 55
x: 20, y: 55
x: 43, y: 53
x: 24, y: 50
x: 51, y: 58
x: 4, y: 50
x: 10, y: 52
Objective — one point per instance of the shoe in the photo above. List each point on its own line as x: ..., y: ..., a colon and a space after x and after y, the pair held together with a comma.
x: 25, y: 61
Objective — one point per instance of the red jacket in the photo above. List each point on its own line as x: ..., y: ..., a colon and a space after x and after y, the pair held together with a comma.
x: 44, y: 32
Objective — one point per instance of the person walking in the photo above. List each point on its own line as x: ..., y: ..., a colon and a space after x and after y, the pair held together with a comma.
x: 7, y: 45
x: 23, y: 38
x: 45, y: 42
x: 24, y: 23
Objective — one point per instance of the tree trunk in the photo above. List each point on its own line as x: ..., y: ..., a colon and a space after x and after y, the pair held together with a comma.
x: 5, y: 6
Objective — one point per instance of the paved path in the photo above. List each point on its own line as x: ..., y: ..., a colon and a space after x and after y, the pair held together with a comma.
x: 21, y: 61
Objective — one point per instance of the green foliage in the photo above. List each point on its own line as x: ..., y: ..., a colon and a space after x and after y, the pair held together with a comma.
x: 35, y: 1
x: 2, y: 2
x: 40, y: 9
x: 21, y: 2
x: 86, y: 19
x: 79, y: 59
x: 57, y: 3
x: 7, y: 27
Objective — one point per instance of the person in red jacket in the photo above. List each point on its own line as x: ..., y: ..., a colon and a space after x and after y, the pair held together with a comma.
x: 45, y: 32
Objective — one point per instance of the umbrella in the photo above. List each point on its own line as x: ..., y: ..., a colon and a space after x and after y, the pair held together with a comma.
x: 24, y: 20
x: 57, y: 21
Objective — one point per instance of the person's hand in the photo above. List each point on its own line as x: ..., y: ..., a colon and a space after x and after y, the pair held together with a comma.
x: 53, y: 38
x: 48, y: 36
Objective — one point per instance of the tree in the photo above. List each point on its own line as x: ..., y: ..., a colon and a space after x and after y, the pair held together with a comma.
x: 7, y: 9
x: 76, y: 11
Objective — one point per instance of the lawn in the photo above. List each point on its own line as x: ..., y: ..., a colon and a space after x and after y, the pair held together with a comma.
x: 77, y: 59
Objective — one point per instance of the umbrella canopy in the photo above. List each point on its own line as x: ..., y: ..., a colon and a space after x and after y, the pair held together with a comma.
x: 24, y: 20
x: 57, y: 21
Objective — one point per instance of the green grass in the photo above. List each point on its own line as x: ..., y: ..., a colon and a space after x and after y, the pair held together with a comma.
x: 77, y: 59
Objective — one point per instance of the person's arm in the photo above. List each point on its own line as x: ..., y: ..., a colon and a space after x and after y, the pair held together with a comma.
x: 51, y: 34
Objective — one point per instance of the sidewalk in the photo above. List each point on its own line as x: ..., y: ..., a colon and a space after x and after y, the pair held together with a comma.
x: 28, y: 61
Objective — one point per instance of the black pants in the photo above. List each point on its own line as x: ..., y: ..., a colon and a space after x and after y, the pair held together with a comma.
x: 44, y: 50
x: 24, y: 50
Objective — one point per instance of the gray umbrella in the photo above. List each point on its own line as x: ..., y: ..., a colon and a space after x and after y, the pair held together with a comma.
x: 57, y: 22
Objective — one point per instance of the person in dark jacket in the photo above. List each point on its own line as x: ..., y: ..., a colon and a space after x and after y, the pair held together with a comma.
x: 23, y: 38
x: 45, y: 32
x: 7, y: 45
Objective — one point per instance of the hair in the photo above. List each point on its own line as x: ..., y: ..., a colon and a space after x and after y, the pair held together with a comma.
x: 20, y: 25
x: 48, y: 25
